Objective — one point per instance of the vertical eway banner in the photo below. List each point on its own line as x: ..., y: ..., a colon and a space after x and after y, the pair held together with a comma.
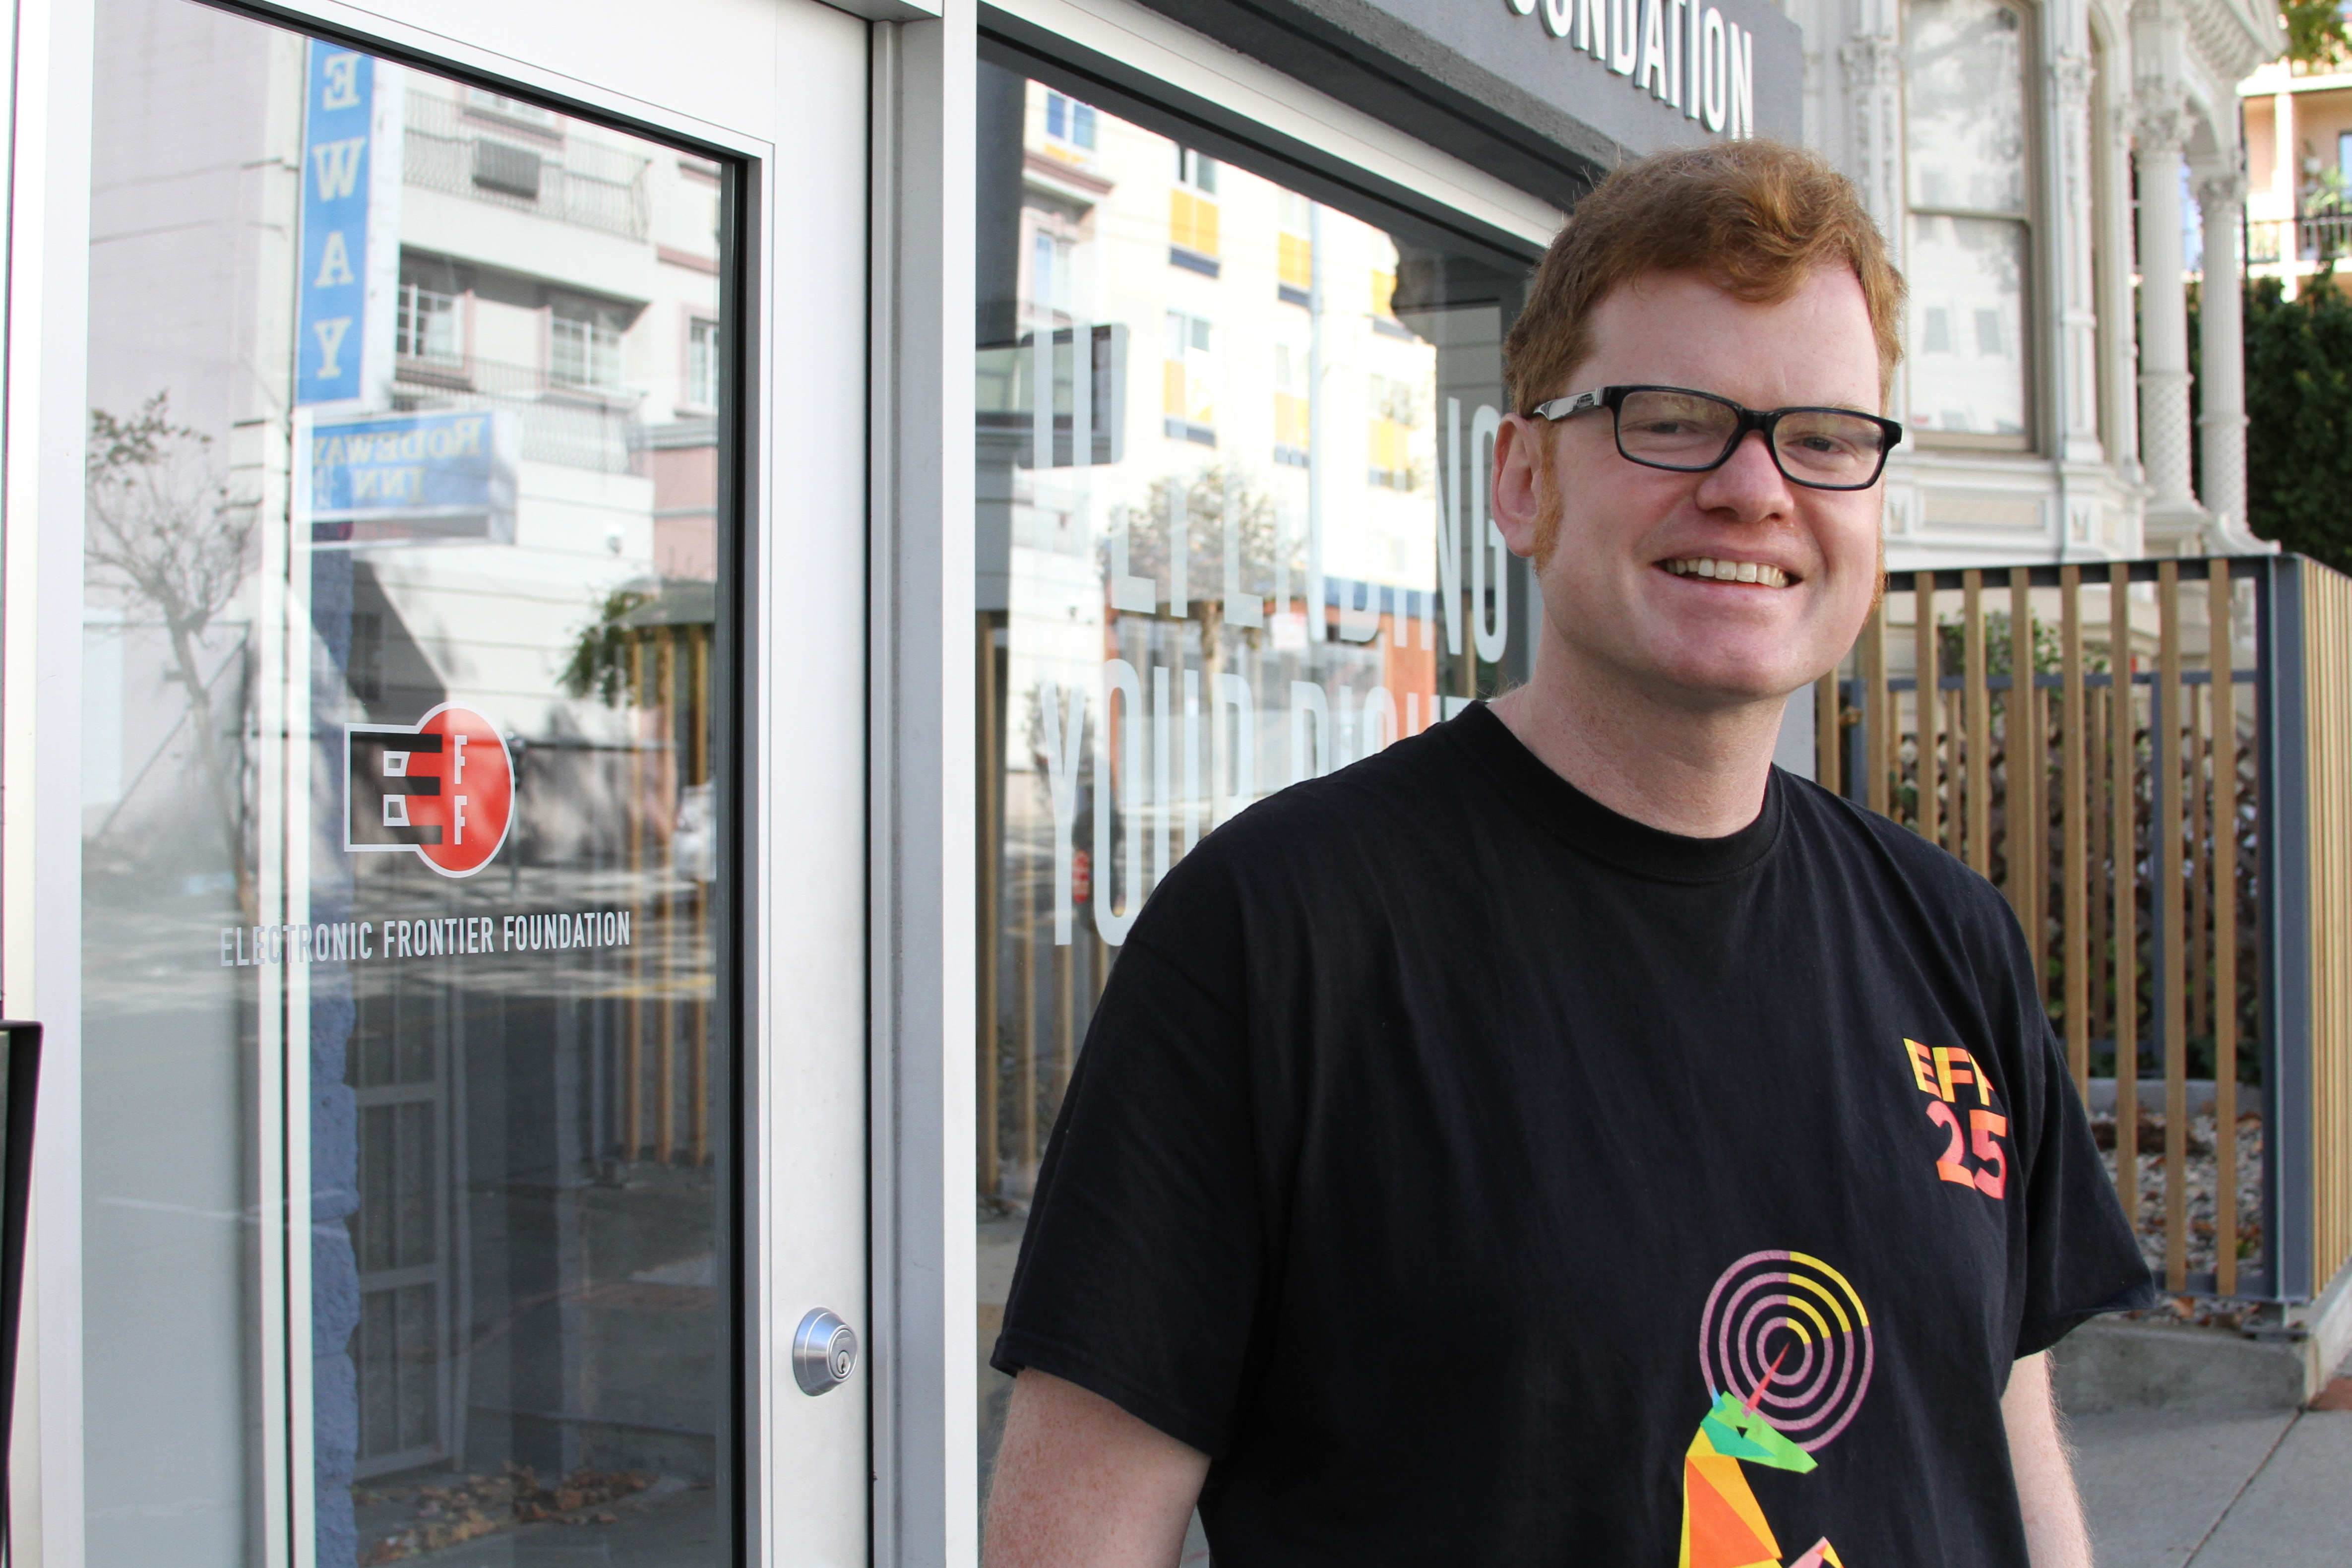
x: 351, y: 229
x: 346, y: 294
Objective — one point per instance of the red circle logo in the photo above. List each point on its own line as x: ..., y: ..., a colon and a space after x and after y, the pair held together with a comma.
x: 442, y: 787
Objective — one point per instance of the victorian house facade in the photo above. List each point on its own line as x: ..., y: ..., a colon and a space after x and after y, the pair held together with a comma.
x: 2035, y: 164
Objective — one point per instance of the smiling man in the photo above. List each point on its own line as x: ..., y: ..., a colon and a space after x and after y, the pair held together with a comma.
x: 1564, y: 1138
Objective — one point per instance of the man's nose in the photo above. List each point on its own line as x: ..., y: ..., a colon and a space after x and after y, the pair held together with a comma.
x: 1749, y: 483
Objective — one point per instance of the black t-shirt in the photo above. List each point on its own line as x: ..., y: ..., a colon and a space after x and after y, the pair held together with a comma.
x: 1480, y: 1176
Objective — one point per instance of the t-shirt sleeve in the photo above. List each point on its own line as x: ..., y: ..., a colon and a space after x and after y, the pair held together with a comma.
x: 2081, y: 1257
x: 1140, y: 1270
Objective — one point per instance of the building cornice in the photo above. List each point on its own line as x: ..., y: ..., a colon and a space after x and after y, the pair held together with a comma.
x: 2233, y: 36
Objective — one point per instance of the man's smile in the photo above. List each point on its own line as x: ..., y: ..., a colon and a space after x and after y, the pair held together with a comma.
x: 1762, y: 574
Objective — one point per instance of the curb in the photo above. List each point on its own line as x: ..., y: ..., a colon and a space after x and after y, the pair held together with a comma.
x: 2107, y: 1366
x: 2110, y: 1364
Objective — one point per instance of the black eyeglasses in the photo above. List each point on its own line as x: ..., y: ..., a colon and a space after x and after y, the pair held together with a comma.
x: 1691, y: 432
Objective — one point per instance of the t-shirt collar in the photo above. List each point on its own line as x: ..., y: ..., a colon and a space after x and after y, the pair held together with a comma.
x: 1601, y: 833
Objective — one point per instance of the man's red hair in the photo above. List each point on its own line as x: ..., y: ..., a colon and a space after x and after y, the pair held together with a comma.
x: 1755, y: 216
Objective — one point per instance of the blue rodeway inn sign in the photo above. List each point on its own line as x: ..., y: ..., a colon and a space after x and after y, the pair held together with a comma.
x: 401, y: 478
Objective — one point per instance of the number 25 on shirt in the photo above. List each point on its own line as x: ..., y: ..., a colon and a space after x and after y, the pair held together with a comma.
x: 1941, y: 1072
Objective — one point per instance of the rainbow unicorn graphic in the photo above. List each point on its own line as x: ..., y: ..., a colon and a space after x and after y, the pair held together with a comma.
x: 1777, y: 1304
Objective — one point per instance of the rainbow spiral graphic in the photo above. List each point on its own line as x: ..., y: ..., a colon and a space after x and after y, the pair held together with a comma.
x: 1785, y: 1334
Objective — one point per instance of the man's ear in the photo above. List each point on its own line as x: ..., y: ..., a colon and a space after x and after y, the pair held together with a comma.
x: 1520, y: 482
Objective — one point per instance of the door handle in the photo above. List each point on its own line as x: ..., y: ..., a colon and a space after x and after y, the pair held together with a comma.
x: 824, y: 1350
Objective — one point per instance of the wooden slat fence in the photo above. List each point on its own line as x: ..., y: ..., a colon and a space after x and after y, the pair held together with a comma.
x: 664, y: 1075
x: 2153, y: 761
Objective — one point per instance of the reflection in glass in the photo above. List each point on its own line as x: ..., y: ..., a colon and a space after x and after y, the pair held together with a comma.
x: 1231, y: 533
x: 1965, y: 81
x: 1967, y: 324
x: 1965, y: 75
x: 400, y: 880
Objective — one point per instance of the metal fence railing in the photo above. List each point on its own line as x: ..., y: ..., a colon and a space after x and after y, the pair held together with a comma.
x: 2320, y: 238
x: 598, y: 428
x: 2153, y: 760
x: 568, y: 178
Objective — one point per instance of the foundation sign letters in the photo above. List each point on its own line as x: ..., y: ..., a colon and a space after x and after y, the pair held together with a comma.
x: 442, y: 788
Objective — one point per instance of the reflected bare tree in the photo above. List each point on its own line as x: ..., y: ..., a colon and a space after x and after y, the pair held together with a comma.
x: 164, y: 529
x: 1208, y: 496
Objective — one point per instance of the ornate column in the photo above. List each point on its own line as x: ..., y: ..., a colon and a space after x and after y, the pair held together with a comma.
x: 2077, y: 377
x: 2222, y: 344
x: 2161, y: 127
x: 1873, y: 87
x: 1873, y: 95
x: 2287, y: 179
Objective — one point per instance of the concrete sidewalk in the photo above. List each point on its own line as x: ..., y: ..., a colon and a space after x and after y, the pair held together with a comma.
x: 2250, y: 1489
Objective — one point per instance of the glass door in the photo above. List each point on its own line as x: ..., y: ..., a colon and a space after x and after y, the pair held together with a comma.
x: 421, y: 918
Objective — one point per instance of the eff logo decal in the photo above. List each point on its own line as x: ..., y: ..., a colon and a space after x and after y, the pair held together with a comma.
x: 1942, y: 1072
x: 442, y: 787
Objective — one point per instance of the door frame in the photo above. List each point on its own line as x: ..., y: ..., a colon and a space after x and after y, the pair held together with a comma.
x: 923, y: 790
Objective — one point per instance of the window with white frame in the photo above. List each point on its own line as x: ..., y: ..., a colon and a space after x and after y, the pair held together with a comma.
x: 483, y: 101
x: 702, y: 363
x: 1188, y: 398
x: 426, y: 326
x: 1292, y: 415
x: 1053, y: 285
x: 585, y: 343
x: 1197, y: 170
x: 1970, y: 248
x: 1069, y: 122
x: 1192, y: 213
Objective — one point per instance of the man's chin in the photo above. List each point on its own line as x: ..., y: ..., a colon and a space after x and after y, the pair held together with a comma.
x: 1716, y: 675
x: 1720, y: 690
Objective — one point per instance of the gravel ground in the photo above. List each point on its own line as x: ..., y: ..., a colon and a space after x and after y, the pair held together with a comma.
x: 2202, y: 1169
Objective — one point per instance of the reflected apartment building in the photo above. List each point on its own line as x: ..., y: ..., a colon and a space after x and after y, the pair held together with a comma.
x: 406, y: 445
x: 1231, y: 533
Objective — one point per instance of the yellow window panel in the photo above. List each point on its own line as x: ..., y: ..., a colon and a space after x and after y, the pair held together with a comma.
x: 1384, y: 292
x: 1171, y: 388
x: 1387, y: 443
x: 1192, y: 223
x: 1296, y: 261
x: 1289, y: 420
x: 1203, y: 408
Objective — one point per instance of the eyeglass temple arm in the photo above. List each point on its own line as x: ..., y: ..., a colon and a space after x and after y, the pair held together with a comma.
x: 1576, y: 402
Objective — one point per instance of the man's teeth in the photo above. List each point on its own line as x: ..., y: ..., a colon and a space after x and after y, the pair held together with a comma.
x: 1728, y: 571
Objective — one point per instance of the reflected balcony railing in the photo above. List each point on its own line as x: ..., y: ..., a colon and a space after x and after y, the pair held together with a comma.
x: 2326, y: 237
x: 569, y: 180
x: 597, y: 428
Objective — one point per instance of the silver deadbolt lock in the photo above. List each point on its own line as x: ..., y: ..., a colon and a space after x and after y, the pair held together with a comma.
x: 824, y: 1350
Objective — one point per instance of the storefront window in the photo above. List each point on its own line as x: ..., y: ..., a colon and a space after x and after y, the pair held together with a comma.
x: 407, y: 1125
x: 1232, y: 528
x: 1970, y: 242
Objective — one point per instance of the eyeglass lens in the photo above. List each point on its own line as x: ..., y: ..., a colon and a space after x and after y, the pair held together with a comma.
x: 1684, y: 430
